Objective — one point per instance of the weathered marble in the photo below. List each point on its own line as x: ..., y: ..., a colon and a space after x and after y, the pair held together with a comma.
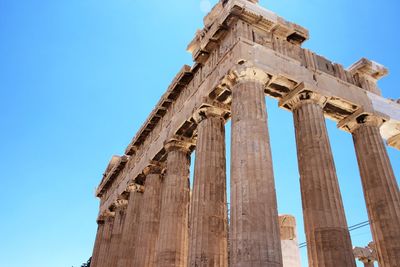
x: 172, y: 243
x: 97, y: 244
x: 105, y: 242
x: 328, y: 238
x: 366, y: 255
x: 208, y: 220
x: 129, y: 233
x: 380, y: 187
x: 243, y: 53
x: 116, y: 234
x: 289, y: 243
x: 149, y: 218
x: 254, y: 234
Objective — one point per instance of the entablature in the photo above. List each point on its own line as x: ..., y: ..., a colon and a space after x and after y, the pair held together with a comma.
x: 221, y: 18
x: 343, y: 98
x: 116, y: 164
x: 181, y: 80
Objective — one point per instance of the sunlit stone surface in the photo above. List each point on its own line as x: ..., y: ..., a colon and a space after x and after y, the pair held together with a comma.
x: 243, y: 53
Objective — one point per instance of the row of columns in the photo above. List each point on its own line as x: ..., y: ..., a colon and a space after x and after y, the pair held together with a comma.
x: 159, y: 232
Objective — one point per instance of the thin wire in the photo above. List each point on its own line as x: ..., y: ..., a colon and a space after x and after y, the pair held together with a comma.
x: 351, y: 228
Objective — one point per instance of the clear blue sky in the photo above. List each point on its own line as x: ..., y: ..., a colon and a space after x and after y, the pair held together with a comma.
x: 79, y: 77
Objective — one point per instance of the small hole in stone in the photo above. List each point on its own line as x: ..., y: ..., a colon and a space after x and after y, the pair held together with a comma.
x: 241, y: 62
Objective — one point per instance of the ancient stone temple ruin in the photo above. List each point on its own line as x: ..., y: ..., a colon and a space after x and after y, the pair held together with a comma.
x: 150, y: 216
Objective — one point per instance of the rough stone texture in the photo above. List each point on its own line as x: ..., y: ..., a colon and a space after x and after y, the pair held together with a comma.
x: 129, y: 232
x: 381, y: 193
x: 254, y: 225
x: 208, y: 220
x: 149, y: 220
x: 259, y: 41
x: 328, y: 239
x: 290, y: 246
x: 116, y: 235
x: 243, y: 41
x: 105, y: 242
x: 97, y: 243
x: 366, y: 255
x: 171, y: 248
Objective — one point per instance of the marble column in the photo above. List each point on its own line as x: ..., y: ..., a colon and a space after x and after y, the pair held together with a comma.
x: 254, y: 228
x: 149, y: 218
x: 130, y: 229
x: 380, y: 187
x: 171, y: 248
x: 208, y: 245
x: 328, y: 238
x: 97, y: 242
x: 105, y: 242
x: 116, y: 235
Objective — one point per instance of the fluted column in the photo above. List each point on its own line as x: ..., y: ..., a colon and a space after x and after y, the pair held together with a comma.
x: 380, y: 187
x: 97, y: 242
x: 328, y: 238
x: 120, y: 212
x: 208, y: 245
x: 171, y: 248
x: 105, y: 242
x: 254, y: 229
x: 149, y: 218
x: 130, y: 229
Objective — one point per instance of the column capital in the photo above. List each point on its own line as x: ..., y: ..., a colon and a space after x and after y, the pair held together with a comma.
x: 244, y: 72
x: 154, y: 167
x: 179, y: 143
x: 359, y: 119
x: 134, y: 187
x: 106, y: 214
x: 208, y: 112
x: 120, y: 204
x: 302, y: 94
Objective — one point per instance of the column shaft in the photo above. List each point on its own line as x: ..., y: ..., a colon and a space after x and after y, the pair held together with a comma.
x: 97, y: 243
x: 208, y: 245
x: 171, y: 249
x: 328, y: 238
x: 254, y: 236
x: 105, y: 242
x: 149, y: 222
x: 116, y: 236
x: 381, y: 193
x: 130, y: 233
